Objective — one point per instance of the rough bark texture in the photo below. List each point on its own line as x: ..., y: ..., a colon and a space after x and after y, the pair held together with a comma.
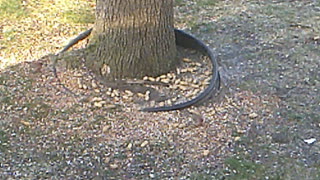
x: 132, y: 38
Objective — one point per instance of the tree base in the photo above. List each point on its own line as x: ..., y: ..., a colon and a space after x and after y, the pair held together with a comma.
x: 186, y: 40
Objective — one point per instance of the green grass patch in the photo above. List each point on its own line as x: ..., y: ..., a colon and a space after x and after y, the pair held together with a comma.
x: 41, y: 111
x: 4, y: 141
x: 314, y: 117
x: 250, y: 85
x: 206, y: 2
x: 242, y: 169
x: 179, y: 2
x: 5, y: 97
x: 200, y: 176
x: 82, y: 16
x: 199, y: 3
x: 295, y: 116
x: 74, y: 12
x: 12, y: 9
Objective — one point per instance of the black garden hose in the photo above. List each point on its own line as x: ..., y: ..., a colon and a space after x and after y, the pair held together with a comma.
x: 184, y: 40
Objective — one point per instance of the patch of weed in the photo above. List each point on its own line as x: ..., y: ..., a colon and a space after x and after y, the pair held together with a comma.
x: 38, y: 110
x: 294, y: 116
x: 279, y: 11
x: 5, y: 96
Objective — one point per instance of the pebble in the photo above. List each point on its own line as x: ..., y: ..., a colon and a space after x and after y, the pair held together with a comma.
x: 184, y: 83
x: 116, y: 92
x: 183, y: 88
x: 184, y: 70
x: 207, y: 73
x: 147, y: 96
x: 187, y: 60
x: 198, y: 64
x: 253, y: 115
x: 129, y: 146
x: 151, y: 79
x: 165, y: 81
x: 111, y: 106
x: 170, y: 75
x: 194, y: 85
x: 77, y: 75
x: 98, y: 104
x: 144, y: 144
x: 163, y: 76
x: 106, y: 128
x: 94, y: 85
x: 79, y: 84
x: 96, y: 99
x: 129, y: 93
x: 25, y: 123
x: 126, y: 97
x: 114, y: 166
x: 237, y: 138
x: 205, y: 152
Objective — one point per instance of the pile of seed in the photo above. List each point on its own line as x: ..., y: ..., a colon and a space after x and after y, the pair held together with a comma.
x: 184, y: 83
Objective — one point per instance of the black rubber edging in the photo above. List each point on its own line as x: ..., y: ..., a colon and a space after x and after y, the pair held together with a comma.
x: 184, y: 40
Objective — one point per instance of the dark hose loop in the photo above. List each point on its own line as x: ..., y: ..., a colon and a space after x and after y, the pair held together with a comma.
x: 186, y: 40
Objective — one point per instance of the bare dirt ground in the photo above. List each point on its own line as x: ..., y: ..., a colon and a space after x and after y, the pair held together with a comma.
x: 265, y: 123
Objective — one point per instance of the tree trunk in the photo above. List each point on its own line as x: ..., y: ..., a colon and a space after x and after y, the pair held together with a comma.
x: 132, y: 38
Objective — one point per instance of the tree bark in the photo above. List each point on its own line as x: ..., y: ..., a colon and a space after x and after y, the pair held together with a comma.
x: 132, y: 38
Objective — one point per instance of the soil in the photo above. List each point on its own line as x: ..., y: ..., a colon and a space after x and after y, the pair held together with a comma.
x: 264, y: 124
